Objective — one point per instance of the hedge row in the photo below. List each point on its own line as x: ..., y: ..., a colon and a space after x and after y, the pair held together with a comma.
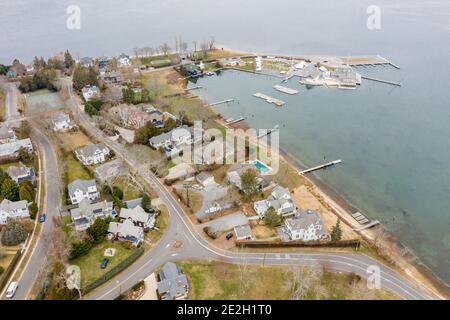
x: 114, y: 271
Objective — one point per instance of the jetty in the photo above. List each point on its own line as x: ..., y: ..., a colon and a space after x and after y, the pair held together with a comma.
x: 268, y: 132
x: 233, y: 121
x: 269, y: 99
x: 399, y: 84
x: 220, y: 102
x: 194, y: 88
x: 322, y: 166
x: 285, y: 89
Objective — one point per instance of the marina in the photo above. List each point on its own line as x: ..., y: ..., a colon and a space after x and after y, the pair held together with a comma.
x: 285, y: 89
x: 269, y: 99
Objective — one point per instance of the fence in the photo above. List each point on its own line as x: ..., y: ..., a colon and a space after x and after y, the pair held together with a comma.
x: 301, y: 244
x: 5, y: 277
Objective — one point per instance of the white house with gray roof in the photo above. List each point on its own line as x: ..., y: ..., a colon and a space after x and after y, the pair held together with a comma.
x: 92, y: 154
x: 243, y: 232
x: 173, y: 284
x: 127, y: 231
x: 280, y: 199
x: 86, y: 213
x: 62, y: 122
x: 13, y: 210
x: 82, y: 189
x: 11, y: 149
x: 138, y: 216
x: 89, y: 92
x: 306, y: 225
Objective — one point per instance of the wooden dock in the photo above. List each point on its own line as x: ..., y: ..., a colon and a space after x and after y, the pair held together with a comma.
x: 322, y: 166
x: 268, y: 132
x: 220, y: 102
x: 382, y: 81
x: 285, y: 89
x: 194, y: 88
x: 235, y: 121
x: 269, y: 99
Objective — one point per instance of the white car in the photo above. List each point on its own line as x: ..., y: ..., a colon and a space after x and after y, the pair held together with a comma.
x: 12, y: 289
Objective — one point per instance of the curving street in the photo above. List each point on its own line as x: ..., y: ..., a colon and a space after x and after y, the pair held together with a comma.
x: 195, y: 247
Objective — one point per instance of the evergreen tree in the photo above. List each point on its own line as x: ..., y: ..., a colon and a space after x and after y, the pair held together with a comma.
x: 272, y: 218
x: 10, y: 190
x: 336, y: 232
x: 13, y: 234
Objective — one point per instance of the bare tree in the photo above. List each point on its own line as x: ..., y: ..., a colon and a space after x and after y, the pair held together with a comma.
x: 136, y: 52
x: 243, y: 279
x: 204, y: 47
x: 195, y: 45
x: 183, y: 47
x: 303, y: 279
x: 211, y: 42
x: 59, y: 249
x: 165, y: 48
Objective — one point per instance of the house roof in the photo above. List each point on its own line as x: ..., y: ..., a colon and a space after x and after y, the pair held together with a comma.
x: 203, y: 176
x: 82, y: 185
x: 8, y: 206
x: 303, y: 219
x: 173, y: 282
x: 87, y: 210
x: 61, y: 117
x: 18, y: 171
x: 125, y: 229
x: 243, y: 231
x: 8, y: 149
x: 90, y: 149
x: 137, y: 214
x: 279, y: 192
x: 110, y: 169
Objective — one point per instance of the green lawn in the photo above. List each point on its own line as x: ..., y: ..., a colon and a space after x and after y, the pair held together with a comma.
x: 5, y: 166
x: 90, y: 263
x: 75, y: 170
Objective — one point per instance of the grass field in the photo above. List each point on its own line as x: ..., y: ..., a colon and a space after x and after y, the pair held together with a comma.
x: 90, y: 263
x: 43, y: 100
x: 73, y: 140
x: 5, y: 166
x: 74, y: 169
x: 218, y: 280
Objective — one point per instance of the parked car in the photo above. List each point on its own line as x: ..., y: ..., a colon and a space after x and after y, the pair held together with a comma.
x: 42, y: 217
x: 229, y: 236
x: 104, y: 263
x: 12, y: 289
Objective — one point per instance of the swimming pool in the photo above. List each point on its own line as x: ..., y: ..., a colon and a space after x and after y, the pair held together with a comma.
x: 262, y: 167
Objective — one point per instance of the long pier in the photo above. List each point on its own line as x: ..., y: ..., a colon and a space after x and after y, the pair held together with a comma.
x: 235, y: 121
x: 194, y: 88
x: 220, y: 102
x: 322, y: 166
x: 268, y: 132
x: 382, y: 81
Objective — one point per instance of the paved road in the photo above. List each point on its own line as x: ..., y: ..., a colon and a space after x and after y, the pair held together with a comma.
x: 52, y: 198
x: 195, y: 247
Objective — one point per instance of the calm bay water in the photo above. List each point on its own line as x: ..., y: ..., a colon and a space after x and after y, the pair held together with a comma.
x: 395, y: 142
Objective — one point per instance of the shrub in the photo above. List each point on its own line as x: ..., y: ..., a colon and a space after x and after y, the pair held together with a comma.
x: 33, y: 209
x: 98, y: 230
x: 10, y: 190
x: 117, y: 193
x: 13, y: 234
x: 79, y: 249
x: 2, y: 270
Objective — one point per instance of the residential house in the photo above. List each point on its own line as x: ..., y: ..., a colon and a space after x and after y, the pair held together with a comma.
x: 173, y: 283
x: 86, y: 213
x: 243, y: 232
x: 62, y: 122
x: 138, y: 216
x: 87, y: 62
x: 280, y: 199
x: 130, y: 116
x: 20, y: 173
x: 175, y: 137
x: 6, y: 134
x: 16, y: 70
x: 133, y: 203
x: 11, y: 149
x: 13, y: 210
x: 124, y: 60
x: 89, y: 92
x: 114, y: 77
x: 82, y: 189
x: 127, y: 231
x: 156, y: 118
x: 110, y: 170
x: 216, y: 151
x: 92, y: 154
x: 306, y: 225
x: 205, y: 179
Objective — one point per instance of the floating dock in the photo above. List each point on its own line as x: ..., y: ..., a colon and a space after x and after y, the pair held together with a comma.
x: 322, y: 166
x: 194, y: 88
x: 269, y: 99
x: 285, y: 89
x: 382, y: 81
x: 220, y: 102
